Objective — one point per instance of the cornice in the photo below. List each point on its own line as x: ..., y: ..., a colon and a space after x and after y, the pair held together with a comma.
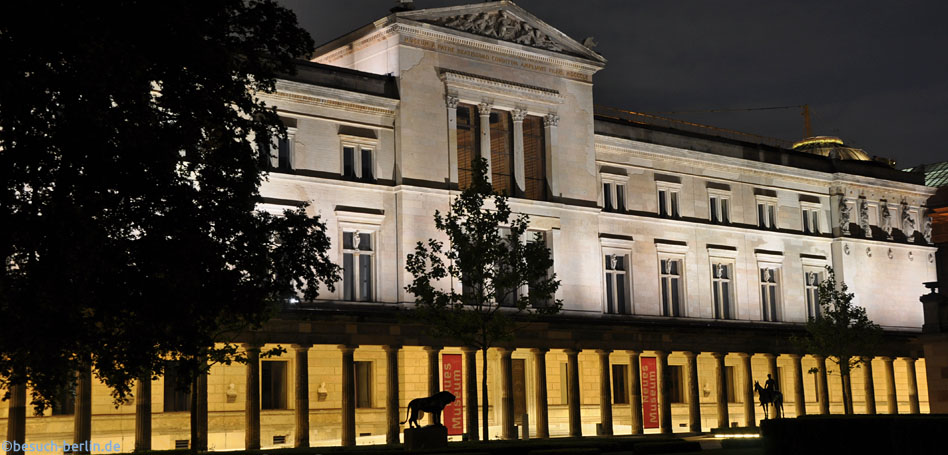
x: 316, y: 95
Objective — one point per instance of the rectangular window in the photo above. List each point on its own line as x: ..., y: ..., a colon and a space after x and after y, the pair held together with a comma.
x: 675, y: 384
x: 501, y: 153
x: 722, y: 290
x: 273, y: 384
x: 730, y: 385
x: 620, y: 384
x: 613, y: 196
x: 358, y: 259
x: 177, y: 395
x: 811, y: 220
x: 671, y: 283
x: 668, y: 202
x: 277, y: 152
x: 506, y: 296
x: 534, y: 159
x: 64, y: 404
x: 617, y: 283
x: 812, y: 289
x: 363, y: 384
x: 720, y: 209
x: 541, y: 237
x: 767, y: 214
x: 468, y: 142
x: 358, y: 162
x: 770, y: 293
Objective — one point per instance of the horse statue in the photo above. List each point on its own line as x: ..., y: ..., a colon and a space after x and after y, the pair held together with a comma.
x: 769, y: 395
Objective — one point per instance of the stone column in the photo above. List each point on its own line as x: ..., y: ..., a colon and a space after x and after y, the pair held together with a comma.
x: 822, y: 386
x: 550, y: 143
x: 451, y: 102
x: 542, y: 416
x: 635, y: 392
x: 694, y: 403
x: 348, y: 396
x: 82, y: 421
x: 508, y: 424
x: 605, y: 391
x: 434, y: 377
x: 747, y: 388
x: 799, y: 398
x: 664, y: 401
x: 143, y: 414
x: 16, y: 417
x: 252, y: 404
x: 484, y: 110
x: 392, y: 427
x: 869, y: 389
x: 573, y: 398
x: 302, y: 395
x: 889, y: 371
x: 720, y: 389
x: 470, y: 391
x: 518, y: 115
x: 912, y: 385
x: 199, y: 433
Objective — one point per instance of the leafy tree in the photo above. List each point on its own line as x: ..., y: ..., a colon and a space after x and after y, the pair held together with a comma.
x: 128, y: 186
x: 492, y: 268
x: 841, y: 332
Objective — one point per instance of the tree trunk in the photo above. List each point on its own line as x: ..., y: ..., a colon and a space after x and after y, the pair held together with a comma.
x: 844, y: 375
x: 484, y: 407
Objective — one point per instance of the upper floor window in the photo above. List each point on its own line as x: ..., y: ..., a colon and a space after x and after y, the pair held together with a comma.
x: 770, y: 293
x: 534, y: 159
x: 668, y: 200
x: 358, y: 161
x: 502, y: 152
x: 506, y: 296
x: 722, y: 289
x: 613, y: 195
x: 468, y: 142
x: 616, y: 269
x: 767, y: 212
x: 277, y: 153
x: 543, y: 238
x: 812, y: 290
x: 358, y: 254
x: 670, y: 272
x: 811, y: 219
x: 719, y: 204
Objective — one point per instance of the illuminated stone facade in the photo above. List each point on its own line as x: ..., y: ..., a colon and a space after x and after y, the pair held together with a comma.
x: 677, y: 243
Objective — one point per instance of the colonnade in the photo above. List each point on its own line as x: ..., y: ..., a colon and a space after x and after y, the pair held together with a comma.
x: 540, y: 426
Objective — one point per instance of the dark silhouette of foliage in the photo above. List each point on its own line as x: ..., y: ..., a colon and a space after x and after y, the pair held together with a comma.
x: 491, y: 268
x: 129, y: 183
x: 841, y: 333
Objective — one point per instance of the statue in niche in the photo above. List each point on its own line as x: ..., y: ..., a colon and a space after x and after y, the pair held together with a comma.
x: 864, y: 217
x: 321, y: 392
x: 844, y: 215
x: 231, y: 393
x: 886, y: 220
x: 908, y: 222
x: 927, y: 229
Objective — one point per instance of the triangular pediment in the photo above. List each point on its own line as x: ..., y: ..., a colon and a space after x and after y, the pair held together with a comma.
x: 503, y: 21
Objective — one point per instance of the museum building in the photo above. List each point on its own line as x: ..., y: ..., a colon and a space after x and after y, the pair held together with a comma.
x: 687, y: 256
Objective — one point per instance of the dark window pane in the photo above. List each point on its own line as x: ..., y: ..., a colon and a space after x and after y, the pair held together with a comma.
x: 674, y: 204
x: 363, y: 384
x: 365, y: 277
x: 534, y: 158
x: 771, y: 210
x: 610, y: 299
x: 273, y: 384
x: 367, y: 165
x: 283, y: 149
x: 761, y: 222
x: 726, y: 300
x: 620, y: 293
x: 725, y: 218
x: 365, y: 242
x: 501, y: 152
x: 714, y: 210
x: 177, y: 395
x: 662, y: 209
x: 675, y: 297
x: 348, y: 277
x: 620, y: 384
x: 607, y: 197
x: 348, y: 162
x: 620, y: 198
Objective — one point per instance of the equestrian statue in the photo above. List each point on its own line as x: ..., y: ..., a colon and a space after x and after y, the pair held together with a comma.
x: 769, y: 395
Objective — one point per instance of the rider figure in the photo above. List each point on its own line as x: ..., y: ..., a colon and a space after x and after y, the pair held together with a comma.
x: 770, y: 385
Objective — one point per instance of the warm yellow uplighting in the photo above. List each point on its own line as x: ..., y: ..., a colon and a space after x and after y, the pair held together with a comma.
x: 737, y: 435
x: 818, y: 140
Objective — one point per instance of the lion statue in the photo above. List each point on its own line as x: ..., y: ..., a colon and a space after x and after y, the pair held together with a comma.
x: 432, y: 405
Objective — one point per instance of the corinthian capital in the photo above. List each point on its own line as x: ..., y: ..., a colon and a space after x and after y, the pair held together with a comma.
x: 551, y: 120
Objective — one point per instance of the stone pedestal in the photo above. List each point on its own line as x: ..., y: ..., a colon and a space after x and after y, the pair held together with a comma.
x: 426, y: 438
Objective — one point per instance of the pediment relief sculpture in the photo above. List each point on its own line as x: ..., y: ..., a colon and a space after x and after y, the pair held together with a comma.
x: 501, y: 25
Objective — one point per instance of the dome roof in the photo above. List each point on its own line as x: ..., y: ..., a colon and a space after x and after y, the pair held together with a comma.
x: 832, y: 147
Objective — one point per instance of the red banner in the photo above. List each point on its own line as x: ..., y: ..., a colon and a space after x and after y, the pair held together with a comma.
x: 649, y: 392
x: 452, y: 380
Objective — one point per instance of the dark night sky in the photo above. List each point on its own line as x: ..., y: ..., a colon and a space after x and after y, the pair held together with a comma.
x: 874, y: 73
